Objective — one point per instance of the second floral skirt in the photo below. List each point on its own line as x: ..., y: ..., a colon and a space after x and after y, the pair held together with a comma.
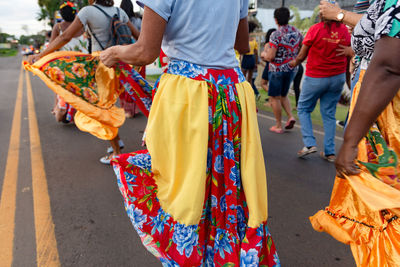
x: 198, y: 195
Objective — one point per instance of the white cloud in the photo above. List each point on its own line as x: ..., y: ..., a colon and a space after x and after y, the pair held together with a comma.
x: 15, y: 13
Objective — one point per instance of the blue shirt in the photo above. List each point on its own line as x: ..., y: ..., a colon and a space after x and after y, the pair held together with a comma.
x: 202, y: 32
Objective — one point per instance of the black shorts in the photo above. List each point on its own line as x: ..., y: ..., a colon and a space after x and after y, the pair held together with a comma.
x: 248, y: 62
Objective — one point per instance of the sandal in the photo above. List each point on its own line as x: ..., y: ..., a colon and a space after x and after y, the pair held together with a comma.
x: 276, y: 130
x: 290, y: 124
x: 306, y: 150
x: 330, y: 158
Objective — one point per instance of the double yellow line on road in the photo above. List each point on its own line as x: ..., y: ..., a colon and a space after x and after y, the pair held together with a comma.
x: 9, y: 189
x: 46, y: 244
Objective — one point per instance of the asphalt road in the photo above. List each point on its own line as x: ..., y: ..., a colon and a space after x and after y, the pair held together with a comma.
x: 66, y: 209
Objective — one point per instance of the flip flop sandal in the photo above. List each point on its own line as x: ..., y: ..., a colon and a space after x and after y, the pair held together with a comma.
x: 290, y: 124
x: 276, y: 130
x: 305, y: 151
x: 330, y: 158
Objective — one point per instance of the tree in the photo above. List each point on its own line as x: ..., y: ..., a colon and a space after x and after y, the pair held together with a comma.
x: 48, y: 8
x: 303, y: 24
x: 5, y: 37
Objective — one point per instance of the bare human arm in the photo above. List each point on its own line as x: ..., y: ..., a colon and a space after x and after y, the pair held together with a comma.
x: 256, y: 57
x: 135, y: 32
x: 55, y: 32
x: 330, y: 11
x: 75, y: 27
x: 242, y: 37
x: 146, y: 49
x: 380, y: 85
x: 148, y: 46
x: 345, y: 51
x: 300, y: 57
x: 270, y: 54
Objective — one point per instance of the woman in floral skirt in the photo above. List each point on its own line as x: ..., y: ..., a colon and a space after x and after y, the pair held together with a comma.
x: 198, y: 195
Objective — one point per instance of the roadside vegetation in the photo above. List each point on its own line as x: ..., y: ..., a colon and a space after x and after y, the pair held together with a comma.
x: 8, y: 52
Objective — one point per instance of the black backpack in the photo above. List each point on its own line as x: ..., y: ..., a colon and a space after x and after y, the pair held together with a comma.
x: 120, y: 34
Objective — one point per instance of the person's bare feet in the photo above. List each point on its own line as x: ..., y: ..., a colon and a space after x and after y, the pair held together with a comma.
x: 276, y: 129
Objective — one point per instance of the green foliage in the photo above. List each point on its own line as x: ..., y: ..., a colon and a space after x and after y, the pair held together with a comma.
x: 5, y: 36
x: 49, y: 7
x: 35, y: 39
x: 303, y: 24
x: 8, y: 52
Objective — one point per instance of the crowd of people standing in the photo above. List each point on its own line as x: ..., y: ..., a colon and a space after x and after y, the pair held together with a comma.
x: 202, y: 130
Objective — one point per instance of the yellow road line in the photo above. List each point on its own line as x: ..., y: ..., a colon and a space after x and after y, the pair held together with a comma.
x: 46, y: 243
x: 9, y: 190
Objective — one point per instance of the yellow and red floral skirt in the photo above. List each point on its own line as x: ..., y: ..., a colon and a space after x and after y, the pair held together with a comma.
x: 198, y: 195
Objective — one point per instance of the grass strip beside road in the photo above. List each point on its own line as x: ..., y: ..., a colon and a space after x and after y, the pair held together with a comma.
x: 8, y: 52
x: 341, y: 111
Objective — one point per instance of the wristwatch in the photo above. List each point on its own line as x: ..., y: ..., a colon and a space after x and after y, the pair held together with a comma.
x: 340, y: 16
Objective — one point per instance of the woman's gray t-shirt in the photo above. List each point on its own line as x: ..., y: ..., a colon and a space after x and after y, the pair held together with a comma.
x: 100, y: 24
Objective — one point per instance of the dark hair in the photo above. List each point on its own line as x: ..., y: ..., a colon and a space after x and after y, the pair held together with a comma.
x: 105, y: 2
x: 252, y: 26
x: 68, y: 13
x: 127, y: 6
x: 268, y: 34
x: 282, y: 15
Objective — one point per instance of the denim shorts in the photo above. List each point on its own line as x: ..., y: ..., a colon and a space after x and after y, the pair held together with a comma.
x: 279, y: 83
x: 248, y: 62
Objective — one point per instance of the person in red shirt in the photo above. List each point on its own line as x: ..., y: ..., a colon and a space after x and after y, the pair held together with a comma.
x: 324, y: 80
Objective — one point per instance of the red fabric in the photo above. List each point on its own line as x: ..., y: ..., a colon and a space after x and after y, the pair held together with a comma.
x: 142, y: 72
x: 323, y: 41
x: 163, y: 61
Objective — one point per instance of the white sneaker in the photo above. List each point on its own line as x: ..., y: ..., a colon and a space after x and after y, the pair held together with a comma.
x: 106, y: 159
x: 121, y: 145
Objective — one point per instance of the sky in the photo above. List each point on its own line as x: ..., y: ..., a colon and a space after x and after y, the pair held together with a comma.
x: 16, y: 13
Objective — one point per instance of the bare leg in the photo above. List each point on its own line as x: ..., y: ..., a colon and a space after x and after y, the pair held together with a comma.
x: 286, y: 106
x: 55, y: 103
x: 250, y: 76
x: 264, y: 85
x: 245, y: 73
x: 277, y: 109
x: 115, y: 145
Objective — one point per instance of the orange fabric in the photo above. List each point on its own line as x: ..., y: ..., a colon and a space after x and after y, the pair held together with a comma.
x: 363, y: 211
x: 101, y: 119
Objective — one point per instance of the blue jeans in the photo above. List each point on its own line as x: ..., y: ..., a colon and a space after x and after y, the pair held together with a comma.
x: 279, y: 83
x: 328, y: 91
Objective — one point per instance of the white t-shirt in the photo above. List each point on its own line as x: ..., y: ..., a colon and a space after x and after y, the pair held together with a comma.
x: 202, y: 32
x: 99, y: 23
